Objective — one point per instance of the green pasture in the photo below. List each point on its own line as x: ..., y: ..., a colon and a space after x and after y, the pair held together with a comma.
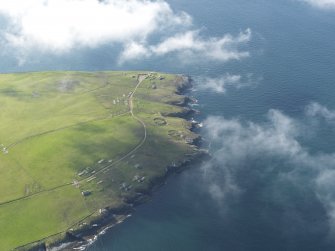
x: 64, y: 133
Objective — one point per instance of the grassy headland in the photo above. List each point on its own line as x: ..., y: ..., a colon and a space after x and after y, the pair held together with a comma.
x: 78, y: 148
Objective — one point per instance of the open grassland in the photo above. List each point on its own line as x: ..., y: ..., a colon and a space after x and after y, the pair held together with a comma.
x: 73, y: 143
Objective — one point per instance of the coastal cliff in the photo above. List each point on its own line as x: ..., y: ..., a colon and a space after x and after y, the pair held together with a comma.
x: 166, y: 143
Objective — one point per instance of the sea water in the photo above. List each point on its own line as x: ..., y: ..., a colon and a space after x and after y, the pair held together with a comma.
x: 291, y: 64
x: 292, y: 60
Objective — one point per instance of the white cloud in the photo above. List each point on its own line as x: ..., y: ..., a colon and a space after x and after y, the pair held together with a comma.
x: 193, y: 47
x: 276, y: 137
x: 244, y: 146
x: 221, y: 49
x: 238, y: 142
x: 314, y: 109
x: 185, y: 41
x: 59, y: 26
x: 221, y: 84
x: 324, y: 4
x: 133, y: 51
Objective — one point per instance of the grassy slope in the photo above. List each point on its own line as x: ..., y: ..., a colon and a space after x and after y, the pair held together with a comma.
x: 58, y: 124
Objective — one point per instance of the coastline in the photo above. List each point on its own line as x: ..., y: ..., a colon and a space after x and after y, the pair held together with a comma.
x: 86, y: 231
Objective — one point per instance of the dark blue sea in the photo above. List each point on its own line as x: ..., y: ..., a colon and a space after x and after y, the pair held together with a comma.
x: 275, y: 189
x: 270, y: 184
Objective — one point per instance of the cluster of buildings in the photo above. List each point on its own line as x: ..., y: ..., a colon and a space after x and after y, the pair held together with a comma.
x: 4, y: 149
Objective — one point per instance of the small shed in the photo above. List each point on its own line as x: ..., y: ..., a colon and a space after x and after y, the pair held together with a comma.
x: 86, y: 193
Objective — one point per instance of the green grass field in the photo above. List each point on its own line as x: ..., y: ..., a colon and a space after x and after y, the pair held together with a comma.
x: 62, y: 133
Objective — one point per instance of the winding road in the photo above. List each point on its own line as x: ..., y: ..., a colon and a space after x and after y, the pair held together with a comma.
x: 140, y: 79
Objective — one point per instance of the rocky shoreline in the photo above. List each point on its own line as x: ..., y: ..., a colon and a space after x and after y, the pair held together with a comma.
x: 84, y: 233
